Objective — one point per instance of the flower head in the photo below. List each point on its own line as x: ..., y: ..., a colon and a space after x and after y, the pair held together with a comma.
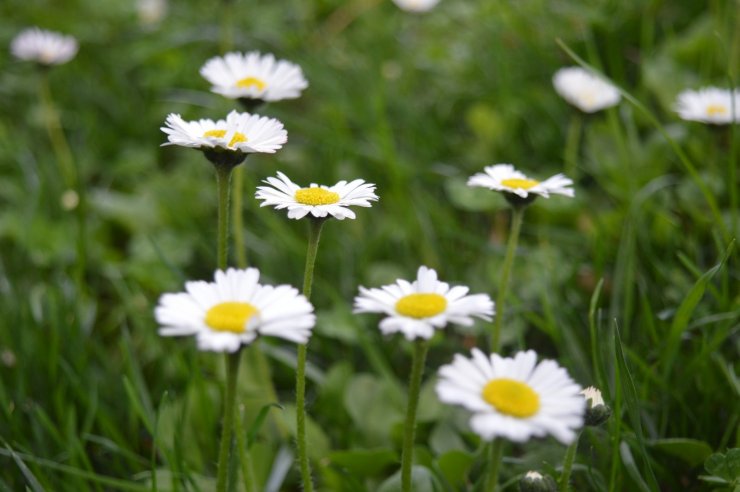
x: 709, y: 105
x: 254, y: 76
x: 585, y: 90
x: 514, y: 398
x: 318, y: 201
x: 417, y: 308
x: 233, y: 310
x: 517, y: 186
x: 44, y: 47
x: 597, y: 412
x: 416, y: 5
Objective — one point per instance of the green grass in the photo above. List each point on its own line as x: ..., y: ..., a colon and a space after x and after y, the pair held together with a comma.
x: 632, y: 285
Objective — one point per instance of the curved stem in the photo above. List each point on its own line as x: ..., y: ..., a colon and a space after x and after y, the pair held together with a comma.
x: 570, y: 456
x: 232, y: 372
x: 496, y: 452
x: 407, y: 453
x: 517, y: 214
x: 223, y: 175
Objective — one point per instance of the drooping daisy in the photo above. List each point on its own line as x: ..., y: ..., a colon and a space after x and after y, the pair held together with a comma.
x: 585, y: 90
x: 318, y: 201
x: 416, y: 5
x: 417, y: 308
x: 709, y: 105
x: 514, y: 398
x: 254, y: 76
x: 505, y: 178
x: 233, y: 310
x: 44, y: 47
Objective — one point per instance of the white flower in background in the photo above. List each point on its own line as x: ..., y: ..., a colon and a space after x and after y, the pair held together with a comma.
x: 254, y: 76
x: 505, y: 178
x: 514, y: 398
x: 44, y: 47
x: 709, y: 105
x: 319, y: 201
x: 239, y: 132
x: 234, y: 310
x: 151, y: 12
x: 585, y: 90
x: 417, y: 308
x: 416, y: 5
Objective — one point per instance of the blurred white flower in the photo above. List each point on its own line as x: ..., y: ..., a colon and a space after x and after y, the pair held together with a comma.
x: 416, y: 5
x: 44, y: 47
x: 318, y: 201
x: 709, y: 105
x: 585, y: 90
x: 505, y: 178
x: 151, y: 12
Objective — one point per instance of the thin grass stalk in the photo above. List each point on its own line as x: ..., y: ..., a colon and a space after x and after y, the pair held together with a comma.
x: 517, y: 215
x: 407, y: 452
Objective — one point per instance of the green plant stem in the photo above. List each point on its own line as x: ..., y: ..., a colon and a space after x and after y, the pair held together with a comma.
x: 232, y: 372
x: 314, y: 235
x: 245, y: 457
x: 223, y: 176
x: 238, y: 219
x: 496, y: 452
x: 573, y: 144
x: 407, y: 452
x: 570, y: 456
x: 517, y: 215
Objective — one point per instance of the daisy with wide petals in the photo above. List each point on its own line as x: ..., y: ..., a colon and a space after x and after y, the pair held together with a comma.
x: 416, y: 5
x: 709, y: 105
x: 233, y: 310
x: 254, y: 76
x: 318, y: 201
x: 44, y: 47
x: 505, y: 178
x: 585, y: 90
x: 515, y: 398
x: 417, y: 308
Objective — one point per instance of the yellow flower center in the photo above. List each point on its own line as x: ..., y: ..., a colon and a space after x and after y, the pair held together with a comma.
x: 524, y: 184
x: 316, y: 196
x: 237, y: 138
x: 421, y: 305
x: 230, y: 316
x: 512, y: 397
x: 716, y: 110
x: 248, y: 82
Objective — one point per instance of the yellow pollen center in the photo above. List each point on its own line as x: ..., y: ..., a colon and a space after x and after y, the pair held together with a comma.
x: 716, y: 110
x: 316, y: 196
x: 230, y: 316
x: 237, y: 138
x: 523, y: 184
x: 248, y: 82
x: 421, y: 305
x: 512, y: 397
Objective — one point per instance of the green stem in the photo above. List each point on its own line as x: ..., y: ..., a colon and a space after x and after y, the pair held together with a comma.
x: 572, y: 145
x: 570, y: 456
x: 407, y: 453
x: 314, y: 235
x: 496, y: 452
x: 237, y: 218
x: 245, y: 457
x: 223, y: 175
x: 517, y: 214
x: 232, y: 372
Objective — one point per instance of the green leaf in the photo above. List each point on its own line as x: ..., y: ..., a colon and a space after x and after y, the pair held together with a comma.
x: 629, y: 463
x: 374, y: 405
x: 258, y: 421
x: 422, y: 480
x: 726, y: 466
x: 366, y: 462
x: 692, y: 451
x: 455, y: 466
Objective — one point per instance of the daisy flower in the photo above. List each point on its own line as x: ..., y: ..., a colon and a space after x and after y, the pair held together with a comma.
x: 416, y: 5
x: 319, y: 201
x: 44, y: 47
x: 585, y: 90
x: 514, y: 398
x: 233, y: 310
x: 254, y: 76
x: 709, y: 105
x: 417, y: 308
x: 505, y: 178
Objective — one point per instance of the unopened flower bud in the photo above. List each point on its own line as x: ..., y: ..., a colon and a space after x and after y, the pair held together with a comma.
x: 597, y: 412
x: 537, y: 482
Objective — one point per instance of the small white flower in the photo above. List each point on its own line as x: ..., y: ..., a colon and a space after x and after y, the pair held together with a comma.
x: 254, y: 76
x: 234, y: 310
x: 504, y: 177
x: 709, y: 105
x: 585, y: 90
x: 514, y: 398
x: 242, y: 132
x: 417, y: 308
x: 416, y: 5
x: 151, y: 12
x: 316, y: 200
x: 592, y: 396
x: 45, y: 47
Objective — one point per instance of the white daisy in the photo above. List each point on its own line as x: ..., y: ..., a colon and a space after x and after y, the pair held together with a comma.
x: 504, y: 177
x: 45, y: 47
x: 709, y: 105
x: 234, y: 310
x: 416, y: 5
x: 417, y: 308
x: 316, y: 200
x: 585, y: 90
x: 254, y: 76
x: 514, y: 398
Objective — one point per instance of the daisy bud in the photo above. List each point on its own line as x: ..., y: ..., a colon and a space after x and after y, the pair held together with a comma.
x: 596, y: 410
x: 536, y: 482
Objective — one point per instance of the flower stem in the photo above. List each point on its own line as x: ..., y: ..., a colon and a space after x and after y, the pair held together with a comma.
x: 517, y: 214
x: 245, y: 457
x: 238, y: 219
x: 570, y: 456
x: 496, y: 452
x: 407, y: 453
x: 232, y: 372
x: 572, y: 144
x: 314, y: 235
x: 223, y: 176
